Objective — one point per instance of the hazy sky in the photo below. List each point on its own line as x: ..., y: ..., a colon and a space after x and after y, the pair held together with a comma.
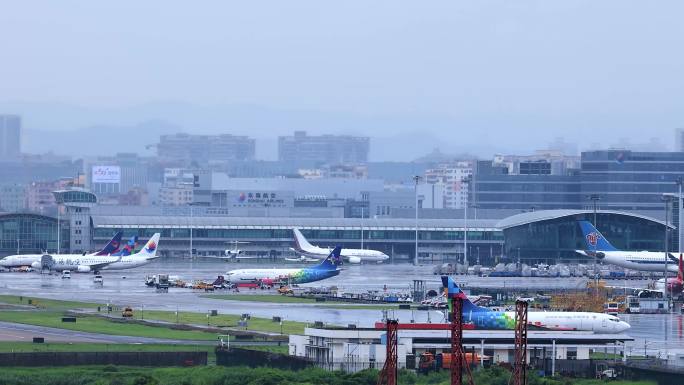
x: 519, y: 73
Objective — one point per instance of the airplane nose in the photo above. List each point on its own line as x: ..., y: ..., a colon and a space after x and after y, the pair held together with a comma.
x: 624, y: 326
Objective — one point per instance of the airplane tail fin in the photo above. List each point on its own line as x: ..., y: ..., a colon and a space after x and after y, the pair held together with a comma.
x: 129, y: 248
x: 300, y: 242
x: 451, y: 290
x: 150, y: 249
x: 112, y: 246
x: 332, y: 261
x: 593, y: 238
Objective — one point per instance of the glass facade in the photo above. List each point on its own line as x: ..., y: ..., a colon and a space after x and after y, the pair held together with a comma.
x: 75, y: 196
x: 31, y: 234
x: 627, y: 180
x: 433, y: 244
x: 555, y: 240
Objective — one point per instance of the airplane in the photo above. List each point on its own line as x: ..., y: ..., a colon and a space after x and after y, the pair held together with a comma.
x: 598, y: 247
x: 326, y: 269
x: 129, y: 248
x: 672, y: 286
x: 230, y: 255
x: 33, y: 260
x: 483, y: 318
x: 94, y: 263
x: 306, y: 249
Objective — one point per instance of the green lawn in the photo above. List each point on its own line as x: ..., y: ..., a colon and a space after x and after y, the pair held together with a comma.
x: 94, y: 324
x: 47, y: 303
x: 227, y: 320
x: 20, y: 347
x: 276, y: 298
x: 54, y: 309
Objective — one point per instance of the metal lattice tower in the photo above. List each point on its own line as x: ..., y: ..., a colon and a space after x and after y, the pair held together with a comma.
x: 458, y: 360
x: 520, y: 364
x: 388, y: 375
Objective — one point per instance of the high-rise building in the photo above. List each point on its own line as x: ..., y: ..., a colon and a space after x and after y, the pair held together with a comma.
x: 202, y: 149
x: 679, y: 140
x: 10, y: 136
x: 453, y: 177
x: 329, y: 149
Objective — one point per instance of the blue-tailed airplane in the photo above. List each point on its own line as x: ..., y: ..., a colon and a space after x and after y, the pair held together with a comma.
x: 326, y: 269
x: 598, y: 247
x: 483, y: 318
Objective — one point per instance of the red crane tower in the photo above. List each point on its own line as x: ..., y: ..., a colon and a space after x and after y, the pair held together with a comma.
x: 520, y: 364
x: 388, y: 375
x: 458, y: 362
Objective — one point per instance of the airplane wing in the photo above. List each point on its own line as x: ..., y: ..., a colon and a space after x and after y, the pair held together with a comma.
x: 99, y: 266
x: 226, y: 257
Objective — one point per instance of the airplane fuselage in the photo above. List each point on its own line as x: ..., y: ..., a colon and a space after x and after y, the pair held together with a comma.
x: 363, y: 255
x: 559, y: 321
x: 638, y: 260
x: 304, y: 275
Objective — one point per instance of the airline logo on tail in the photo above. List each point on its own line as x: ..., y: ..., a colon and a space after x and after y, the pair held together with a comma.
x: 333, y: 260
x: 112, y: 246
x: 592, y: 238
x: 150, y: 248
x: 595, y: 240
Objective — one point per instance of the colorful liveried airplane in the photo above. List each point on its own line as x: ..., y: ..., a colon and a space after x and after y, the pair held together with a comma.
x: 483, y: 318
x: 326, y: 269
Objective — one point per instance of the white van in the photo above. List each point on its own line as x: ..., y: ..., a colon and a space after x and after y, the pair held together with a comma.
x: 66, y: 274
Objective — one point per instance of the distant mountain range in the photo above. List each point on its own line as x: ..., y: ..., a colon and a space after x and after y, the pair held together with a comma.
x: 80, y: 131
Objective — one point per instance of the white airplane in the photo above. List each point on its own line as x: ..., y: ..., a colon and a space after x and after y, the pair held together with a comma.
x: 233, y: 254
x: 88, y: 263
x: 303, y: 247
x: 326, y: 269
x: 598, y: 247
x: 33, y: 260
x: 483, y: 318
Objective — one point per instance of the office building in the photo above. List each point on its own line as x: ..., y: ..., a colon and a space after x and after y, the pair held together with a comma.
x: 324, y: 149
x: 203, y: 149
x: 10, y: 136
x: 629, y: 180
x: 12, y: 198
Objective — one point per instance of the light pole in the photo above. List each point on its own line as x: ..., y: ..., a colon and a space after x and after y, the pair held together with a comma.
x: 679, y: 183
x: 58, y: 228
x: 362, y: 227
x: 191, y: 222
x: 416, y: 178
x: 465, y: 180
x: 594, y: 198
x: 666, y: 198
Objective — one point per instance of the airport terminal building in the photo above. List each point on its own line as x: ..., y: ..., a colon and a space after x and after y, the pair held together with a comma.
x: 546, y: 236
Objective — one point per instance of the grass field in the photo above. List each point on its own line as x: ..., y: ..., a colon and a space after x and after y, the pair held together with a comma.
x: 22, y: 347
x: 93, y: 324
x: 273, y: 298
x: 50, y: 313
x: 227, y: 320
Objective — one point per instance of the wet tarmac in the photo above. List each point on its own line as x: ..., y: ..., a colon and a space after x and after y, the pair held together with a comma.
x: 658, y: 332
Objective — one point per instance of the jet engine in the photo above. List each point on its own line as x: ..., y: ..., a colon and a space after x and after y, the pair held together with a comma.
x: 354, y: 260
x: 600, y: 255
x: 83, y: 269
x: 46, y: 263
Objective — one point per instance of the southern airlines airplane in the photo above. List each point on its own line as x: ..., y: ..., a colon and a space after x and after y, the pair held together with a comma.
x: 302, y: 246
x: 326, y: 269
x: 483, y: 318
x: 33, y: 260
x: 598, y: 247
